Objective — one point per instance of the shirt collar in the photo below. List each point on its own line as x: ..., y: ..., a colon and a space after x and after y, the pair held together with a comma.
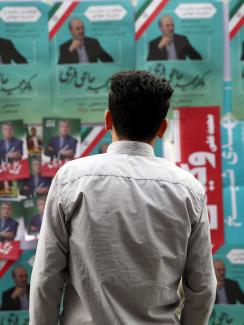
x: 133, y: 148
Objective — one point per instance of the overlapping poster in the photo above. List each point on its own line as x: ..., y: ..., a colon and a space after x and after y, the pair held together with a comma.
x: 61, y: 143
x: 183, y: 42
x: 36, y: 184
x: 14, y: 162
x: 201, y: 156
x: 24, y: 59
x: 14, y: 289
x: 89, y: 42
x: 233, y: 179
x: 34, y: 139
x: 229, y: 269
x: 33, y: 211
x: 236, y: 28
x: 11, y: 229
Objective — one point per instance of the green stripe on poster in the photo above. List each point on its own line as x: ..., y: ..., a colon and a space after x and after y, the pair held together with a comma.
x: 84, y: 133
x: 143, y: 8
x: 236, y: 8
x: 53, y: 10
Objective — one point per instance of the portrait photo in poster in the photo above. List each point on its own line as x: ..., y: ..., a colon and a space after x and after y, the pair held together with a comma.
x: 232, y: 133
x: 62, y: 138
x: 14, y: 162
x: 236, y: 28
x: 34, y: 139
x: 11, y: 229
x: 183, y: 42
x: 95, y: 40
x: 229, y: 270
x: 24, y: 61
x: 36, y: 184
x: 33, y: 211
x: 15, y: 287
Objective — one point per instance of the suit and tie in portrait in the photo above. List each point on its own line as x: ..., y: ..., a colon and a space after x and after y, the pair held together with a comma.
x: 9, y: 54
x: 228, y: 291
x: 171, y: 46
x: 81, y: 49
x: 17, y: 297
x: 63, y: 146
x: 11, y: 148
x: 8, y: 225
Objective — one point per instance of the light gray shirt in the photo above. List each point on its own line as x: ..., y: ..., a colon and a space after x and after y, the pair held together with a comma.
x: 222, y: 298
x: 120, y: 229
x: 82, y: 55
x: 171, y: 51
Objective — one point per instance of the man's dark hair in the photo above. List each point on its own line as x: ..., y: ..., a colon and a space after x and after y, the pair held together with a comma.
x: 138, y: 102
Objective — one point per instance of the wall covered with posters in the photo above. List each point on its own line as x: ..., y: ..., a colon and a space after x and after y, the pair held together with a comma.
x: 53, y: 94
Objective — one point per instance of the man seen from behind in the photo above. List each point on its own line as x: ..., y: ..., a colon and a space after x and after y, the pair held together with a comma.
x: 121, y: 228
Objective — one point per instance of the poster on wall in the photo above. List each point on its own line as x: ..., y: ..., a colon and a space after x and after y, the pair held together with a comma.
x: 232, y: 132
x: 89, y: 42
x: 36, y: 184
x: 11, y: 229
x: 14, y: 289
x: 183, y: 42
x: 34, y: 139
x: 201, y: 156
x: 229, y: 270
x: 24, y: 60
x: 236, y: 30
x: 61, y: 143
x: 14, y: 162
x: 33, y: 211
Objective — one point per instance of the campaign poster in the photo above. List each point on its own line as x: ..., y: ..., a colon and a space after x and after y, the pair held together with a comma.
x: 15, y: 287
x: 8, y: 189
x: 24, y: 58
x: 229, y: 270
x: 236, y: 30
x: 201, y: 156
x: 33, y: 212
x: 182, y: 41
x: 232, y: 132
x: 89, y: 42
x: 11, y: 229
x: 62, y: 138
x: 36, y: 184
x: 14, y: 162
x: 95, y: 140
x: 34, y: 139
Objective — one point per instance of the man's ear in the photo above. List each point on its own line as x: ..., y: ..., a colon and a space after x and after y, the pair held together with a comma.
x: 108, y: 120
x: 163, y: 127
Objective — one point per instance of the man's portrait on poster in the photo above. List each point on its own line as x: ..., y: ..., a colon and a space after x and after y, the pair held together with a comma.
x: 169, y: 45
x: 11, y: 148
x: 62, y: 146
x: 80, y: 48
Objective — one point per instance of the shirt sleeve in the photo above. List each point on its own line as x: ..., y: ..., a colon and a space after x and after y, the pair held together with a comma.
x: 49, y: 270
x: 199, y: 280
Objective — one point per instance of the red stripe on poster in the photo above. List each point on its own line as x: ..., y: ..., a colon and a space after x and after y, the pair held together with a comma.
x: 237, y: 27
x: 63, y: 19
x: 150, y: 19
x: 94, y: 142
